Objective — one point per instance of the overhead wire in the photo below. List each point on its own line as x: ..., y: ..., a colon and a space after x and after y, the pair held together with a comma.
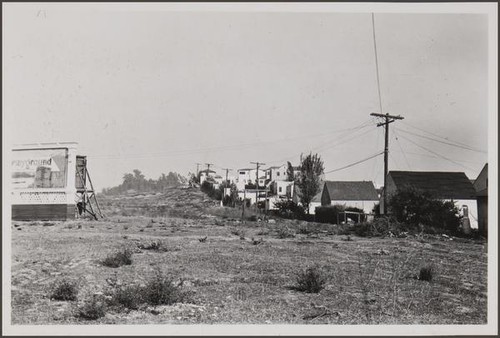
x: 354, y: 163
x: 436, y: 135
x: 443, y: 142
x: 376, y: 62
x: 437, y: 154
x: 328, y: 144
x: 400, y: 147
x: 182, y: 152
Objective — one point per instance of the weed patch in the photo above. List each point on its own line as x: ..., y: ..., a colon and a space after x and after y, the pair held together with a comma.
x: 161, y: 290
x: 92, y: 309
x: 117, y: 259
x: 64, y: 290
x: 129, y: 297
x: 285, y: 232
x: 156, y: 245
x: 311, y: 280
x: 426, y: 273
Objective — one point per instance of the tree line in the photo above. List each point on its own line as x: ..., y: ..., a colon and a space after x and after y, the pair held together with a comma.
x: 137, y: 182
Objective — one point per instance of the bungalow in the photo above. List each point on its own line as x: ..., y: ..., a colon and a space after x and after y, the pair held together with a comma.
x: 205, y: 174
x: 247, y: 176
x: 277, y: 173
x: 449, y: 186
x: 358, y: 194
x: 481, y: 187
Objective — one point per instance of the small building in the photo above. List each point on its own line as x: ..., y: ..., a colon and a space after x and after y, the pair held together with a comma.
x: 481, y: 187
x: 281, y: 188
x: 206, y: 174
x: 277, y: 173
x: 358, y: 194
x: 47, y: 181
x: 443, y: 185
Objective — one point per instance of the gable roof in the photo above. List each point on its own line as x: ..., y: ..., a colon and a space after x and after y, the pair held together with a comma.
x: 351, y: 190
x: 441, y: 184
x: 481, y: 182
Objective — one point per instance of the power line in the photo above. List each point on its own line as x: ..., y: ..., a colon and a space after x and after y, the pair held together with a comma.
x: 439, y: 155
x: 433, y: 156
x: 327, y: 145
x: 400, y: 147
x: 181, y: 152
x: 376, y: 61
x: 355, y: 163
x: 448, y: 143
x: 436, y: 135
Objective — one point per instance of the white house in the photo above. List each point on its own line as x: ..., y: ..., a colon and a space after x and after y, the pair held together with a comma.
x: 358, y: 194
x: 447, y: 186
x: 248, y: 176
x: 277, y: 173
x: 204, y: 174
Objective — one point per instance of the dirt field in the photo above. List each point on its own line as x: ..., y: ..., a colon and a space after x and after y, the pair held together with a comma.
x: 234, y: 279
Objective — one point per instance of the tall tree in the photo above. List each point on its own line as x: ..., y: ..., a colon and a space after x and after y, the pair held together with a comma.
x: 308, y: 182
x: 289, y: 172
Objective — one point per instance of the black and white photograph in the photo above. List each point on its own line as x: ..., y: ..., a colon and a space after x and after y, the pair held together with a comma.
x: 249, y: 168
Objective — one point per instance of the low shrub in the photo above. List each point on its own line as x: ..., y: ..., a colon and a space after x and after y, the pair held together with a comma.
x: 305, y: 229
x: 311, y: 280
x: 117, y: 259
x: 92, y: 309
x: 289, y: 209
x: 426, y: 273
x: 285, y: 232
x: 238, y: 232
x: 161, y: 290
x: 129, y: 297
x: 414, y: 207
x: 64, y: 290
x: 329, y: 214
x: 155, y: 245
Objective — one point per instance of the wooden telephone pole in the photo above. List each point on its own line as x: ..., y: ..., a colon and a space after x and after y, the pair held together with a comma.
x: 197, y: 169
x: 388, y: 119
x: 227, y: 170
x: 257, y: 183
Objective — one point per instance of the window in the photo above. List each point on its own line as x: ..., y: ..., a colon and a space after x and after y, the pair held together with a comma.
x: 280, y: 189
x: 278, y: 173
x: 242, y: 173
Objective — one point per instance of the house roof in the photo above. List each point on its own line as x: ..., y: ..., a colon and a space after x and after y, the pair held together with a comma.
x: 351, y: 190
x: 481, y: 182
x: 441, y: 184
x: 207, y: 171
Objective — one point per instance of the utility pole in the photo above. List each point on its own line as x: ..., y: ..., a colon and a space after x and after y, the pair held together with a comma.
x: 227, y: 170
x: 197, y: 169
x: 257, y: 184
x: 388, y: 119
x: 208, y: 169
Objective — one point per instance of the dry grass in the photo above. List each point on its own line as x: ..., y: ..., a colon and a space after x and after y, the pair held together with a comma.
x: 229, y: 280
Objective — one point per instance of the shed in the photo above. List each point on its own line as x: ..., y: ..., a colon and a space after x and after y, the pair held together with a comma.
x: 358, y: 194
x: 444, y: 185
x: 481, y: 187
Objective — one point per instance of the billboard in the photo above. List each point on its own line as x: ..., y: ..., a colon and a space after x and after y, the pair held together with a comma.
x: 39, y: 168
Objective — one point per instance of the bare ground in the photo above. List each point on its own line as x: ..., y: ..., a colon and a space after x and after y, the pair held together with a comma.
x: 232, y: 279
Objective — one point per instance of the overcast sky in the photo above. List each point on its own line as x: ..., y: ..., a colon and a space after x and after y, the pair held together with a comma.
x: 162, y: 90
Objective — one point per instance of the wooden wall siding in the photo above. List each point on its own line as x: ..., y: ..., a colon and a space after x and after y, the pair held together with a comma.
x: 49, y: 212
x: 482, y: 212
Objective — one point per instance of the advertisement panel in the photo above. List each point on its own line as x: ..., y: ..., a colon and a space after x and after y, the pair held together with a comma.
x: 39, y: 168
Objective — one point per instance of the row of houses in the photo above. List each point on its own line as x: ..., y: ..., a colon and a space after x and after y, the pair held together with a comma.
x: 274, y: 184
